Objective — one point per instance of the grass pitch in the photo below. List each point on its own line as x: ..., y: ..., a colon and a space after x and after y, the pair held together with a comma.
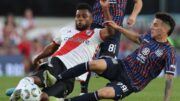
x: 153, y: 92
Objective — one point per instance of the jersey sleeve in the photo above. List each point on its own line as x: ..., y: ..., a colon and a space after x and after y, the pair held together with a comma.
x: 98, y: 35
x: 170, y: 61
x: 56, y: 34
x: 144, y: 36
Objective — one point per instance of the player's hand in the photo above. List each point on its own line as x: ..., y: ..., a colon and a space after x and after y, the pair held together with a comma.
x: 37, y: 62
x: 111, y: 24
x: 131, y: 20
x: 104, y: 3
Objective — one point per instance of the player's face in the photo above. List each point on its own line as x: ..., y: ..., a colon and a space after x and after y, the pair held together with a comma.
x: 83, y: 19
x: 157, y: 28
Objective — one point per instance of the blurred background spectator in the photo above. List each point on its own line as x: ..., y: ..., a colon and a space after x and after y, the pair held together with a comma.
x: 27, y: 22
x: 9, y: 36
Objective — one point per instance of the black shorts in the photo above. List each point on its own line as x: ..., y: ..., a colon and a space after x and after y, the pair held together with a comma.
x: 119, y: 80
x: 110, y: 47
x: 61, y: 88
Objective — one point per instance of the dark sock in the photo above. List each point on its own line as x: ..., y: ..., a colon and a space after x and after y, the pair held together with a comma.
x: 84, y: 84
x: 74, y: 72
x: 85, y: 97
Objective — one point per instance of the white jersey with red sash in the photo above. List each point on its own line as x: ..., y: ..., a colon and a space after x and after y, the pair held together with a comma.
x: 76, y: 47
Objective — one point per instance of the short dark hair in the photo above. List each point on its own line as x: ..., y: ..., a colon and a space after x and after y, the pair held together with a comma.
x: 166, y: 18
x: 82, y: 6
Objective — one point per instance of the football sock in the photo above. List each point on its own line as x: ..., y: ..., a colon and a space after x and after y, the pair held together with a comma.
x: 84, y: 84
x: 85, y: 97
x: 74, y: 72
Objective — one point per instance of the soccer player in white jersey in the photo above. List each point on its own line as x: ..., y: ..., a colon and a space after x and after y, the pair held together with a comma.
x: 73, y: 46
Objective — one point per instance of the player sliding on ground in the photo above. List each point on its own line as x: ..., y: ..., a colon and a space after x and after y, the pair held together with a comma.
x: 110, y: 48
x: 133, y: 73
x: 73, y: 46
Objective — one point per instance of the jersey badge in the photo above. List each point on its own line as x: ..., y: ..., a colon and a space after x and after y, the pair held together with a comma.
x: 88, y: 32
x: 159, y: 52
x: 145, y: 51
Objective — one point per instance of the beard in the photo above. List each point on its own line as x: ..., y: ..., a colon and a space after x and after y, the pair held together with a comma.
x: 81, y: 27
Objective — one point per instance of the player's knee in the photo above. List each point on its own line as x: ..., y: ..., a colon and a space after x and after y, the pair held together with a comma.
x: 98, y: 66
x: 105, y: 93
x: 44, y: 97
x: 93, y: 65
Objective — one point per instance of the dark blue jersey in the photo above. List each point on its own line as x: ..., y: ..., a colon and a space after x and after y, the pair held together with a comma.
x: 147, y: 62
x: 117, y: 10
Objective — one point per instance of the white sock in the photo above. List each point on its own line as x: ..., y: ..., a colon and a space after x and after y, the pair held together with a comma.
x: 24, y: 81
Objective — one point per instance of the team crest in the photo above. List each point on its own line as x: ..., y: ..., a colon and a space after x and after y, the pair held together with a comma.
x: 145, y: 51
x: 88, y: 32
x: 159, y: 52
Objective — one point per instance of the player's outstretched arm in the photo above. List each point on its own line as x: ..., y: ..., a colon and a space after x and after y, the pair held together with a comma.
x: 133, y: 36
x: 48, y: 51
x: 168, y: 87
x: 107, y: 31
x: 136, y: 10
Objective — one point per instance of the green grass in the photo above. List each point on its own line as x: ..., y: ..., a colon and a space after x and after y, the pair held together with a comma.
x: 153, y: 92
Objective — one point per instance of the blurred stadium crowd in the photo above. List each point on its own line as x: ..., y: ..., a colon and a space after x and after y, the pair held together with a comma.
x: 14, y: 38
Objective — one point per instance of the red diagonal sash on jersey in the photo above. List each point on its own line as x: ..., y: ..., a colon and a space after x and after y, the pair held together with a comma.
x: 74, y: 42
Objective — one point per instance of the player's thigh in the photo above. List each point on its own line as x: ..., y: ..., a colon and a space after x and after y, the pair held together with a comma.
x: 98, y: 66
x: 112, y: 69
x: 121, y: 89
x: 57, y: 66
